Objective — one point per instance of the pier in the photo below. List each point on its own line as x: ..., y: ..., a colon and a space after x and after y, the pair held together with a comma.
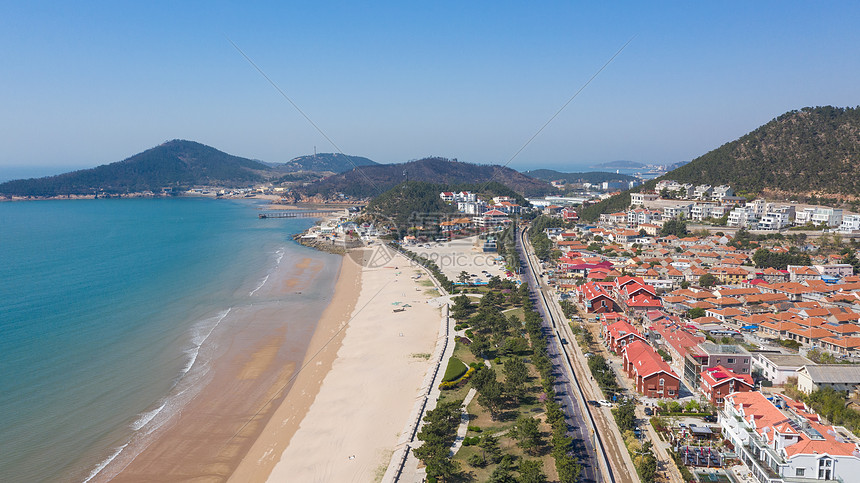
x: 294, y: 214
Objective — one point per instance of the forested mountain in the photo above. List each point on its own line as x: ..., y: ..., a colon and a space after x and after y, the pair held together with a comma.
x: 588, y: 177
x: 813, y: 151
x: 368, y: 181
x: 175, y: 163
x: 324, y: 162
x: 806, y: 154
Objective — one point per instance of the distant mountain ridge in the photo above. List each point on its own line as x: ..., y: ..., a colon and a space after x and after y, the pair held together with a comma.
x: 176, y: 163
x: 588, y: 177
x: 373, y: 180
x: 324, y: 162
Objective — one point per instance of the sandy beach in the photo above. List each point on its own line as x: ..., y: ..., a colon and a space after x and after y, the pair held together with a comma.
x: 259, y: 357
x: 343, y: 417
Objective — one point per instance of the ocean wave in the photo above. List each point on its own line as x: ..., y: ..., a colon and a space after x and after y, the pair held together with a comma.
x: 98, y: 469
x: 263, y: 282
x: 146, y: 418
x: 199, y: 338
x: 279, y: 255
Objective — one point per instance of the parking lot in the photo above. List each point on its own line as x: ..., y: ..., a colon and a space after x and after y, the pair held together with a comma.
x: 462, y: 255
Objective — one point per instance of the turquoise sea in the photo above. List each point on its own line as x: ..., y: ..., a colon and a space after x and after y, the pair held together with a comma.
x: 107, y: 308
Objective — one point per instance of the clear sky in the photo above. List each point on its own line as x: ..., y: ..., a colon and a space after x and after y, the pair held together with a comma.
x: 88, y: 83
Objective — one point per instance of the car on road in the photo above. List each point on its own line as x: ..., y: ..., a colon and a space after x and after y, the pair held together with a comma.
x: 604, y: 402
x: 563, y: 341
x: 648, y: 412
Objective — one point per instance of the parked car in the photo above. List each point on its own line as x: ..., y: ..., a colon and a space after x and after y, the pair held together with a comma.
x: 710, y: 418
x: 648, y: 411
x: 604, y: 402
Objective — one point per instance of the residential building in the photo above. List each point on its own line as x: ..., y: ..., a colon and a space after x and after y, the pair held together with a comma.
x: 677, y: 211
x: 781, y: 441
x: 777, y: 368
x: 652, y: 377
x: 641, y: 198
x: 703, y: 192
x: 718, y: 382
x: 831, y: 217
x: 743, y: 216
x: 707, y: 354
x: 721, y: 192
x: 840, y: 377
x: 850, y: 224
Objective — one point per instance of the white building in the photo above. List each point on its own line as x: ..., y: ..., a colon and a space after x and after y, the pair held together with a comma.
x: 702, y: 211
x: 642, y: 198
x: 840, y: 377
x: 677, y: 211
x: 471, y: 207
x: 743, y: 216
x: 721, y: 192
x: 782, y: 441
x: 838, y: 270
x: 850, y: 224
x: 703, y: 192
x: 777, y: 368
x: 829, y: 216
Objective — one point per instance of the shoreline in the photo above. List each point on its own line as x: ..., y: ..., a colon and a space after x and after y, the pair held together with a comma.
x: 258, y: 461
x: 259, y: 351
x: 359, y: 402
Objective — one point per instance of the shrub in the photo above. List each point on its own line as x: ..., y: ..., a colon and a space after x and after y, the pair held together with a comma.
x: 476, y: 429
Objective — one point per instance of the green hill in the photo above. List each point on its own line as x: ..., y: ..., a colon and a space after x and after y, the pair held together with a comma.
x: 588, y: 177
x: 813, y: 151
x: 806, y: 154
x: 324, y: 162
x: 368, y: 181
x: 175, y: 163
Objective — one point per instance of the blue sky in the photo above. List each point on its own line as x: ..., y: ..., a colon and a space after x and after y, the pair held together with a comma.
x: 88, y: 83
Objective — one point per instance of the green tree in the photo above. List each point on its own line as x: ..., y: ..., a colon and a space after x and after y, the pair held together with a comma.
x: 438, y: 434
x: 625, y: 415
x: 516, y: 375
x: 696, y: 312
x: 707, y: 280
x: 531, y: 471
x: 528, y: 435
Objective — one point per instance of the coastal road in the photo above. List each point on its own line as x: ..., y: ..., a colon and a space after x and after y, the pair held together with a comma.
x: 601, y: 450
x: 569, y: 394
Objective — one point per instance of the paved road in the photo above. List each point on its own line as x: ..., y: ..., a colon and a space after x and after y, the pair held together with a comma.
x: 614, y: 462
x: 567, y: 390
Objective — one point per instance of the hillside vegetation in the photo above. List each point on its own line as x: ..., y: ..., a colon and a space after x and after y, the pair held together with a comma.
x: 810, y: 154
x: 370, y: 181
x: 175, y: 163
x: 324, y: 162
x: 813, y: 151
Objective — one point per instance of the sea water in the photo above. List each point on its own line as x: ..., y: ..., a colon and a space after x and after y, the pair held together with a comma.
x: 106, y: 308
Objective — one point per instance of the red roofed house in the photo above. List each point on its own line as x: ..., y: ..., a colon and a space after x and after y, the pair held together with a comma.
x: 651, y: 376
x: 718, y: 382
x: 619, y: 334
x: 493, y: 218
x: 595, y: 298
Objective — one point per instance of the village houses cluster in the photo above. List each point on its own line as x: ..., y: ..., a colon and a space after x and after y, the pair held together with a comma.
x: 673, y: 337
x: 671, y: 200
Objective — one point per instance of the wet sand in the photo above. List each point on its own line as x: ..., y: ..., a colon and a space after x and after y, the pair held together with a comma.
x: 249, y: 379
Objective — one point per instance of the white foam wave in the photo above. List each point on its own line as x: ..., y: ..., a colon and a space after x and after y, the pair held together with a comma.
x: 104, y: 463
x: 279, y: 256
x: 146, y: 418
x: 265, y: 279
x: 198, y: 339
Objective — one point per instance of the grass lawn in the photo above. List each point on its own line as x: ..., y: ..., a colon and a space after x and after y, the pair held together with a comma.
x: 455, y: 369
x: 519, y: 312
